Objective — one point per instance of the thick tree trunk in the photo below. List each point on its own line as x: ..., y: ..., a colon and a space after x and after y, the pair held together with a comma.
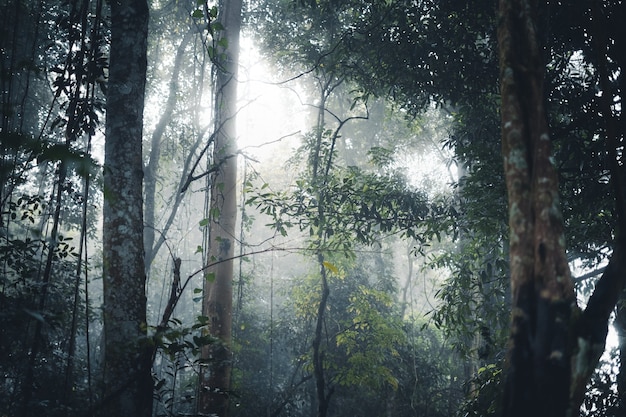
x: 127, y: 355
x: 538, y: 376
x: 213, y: 397
x: 553, y: 346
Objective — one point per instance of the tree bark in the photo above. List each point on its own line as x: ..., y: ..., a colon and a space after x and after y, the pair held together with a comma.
x: 127, y: 353
x: 538, y: 376
x: 213, y: 397
x: 553, y: 346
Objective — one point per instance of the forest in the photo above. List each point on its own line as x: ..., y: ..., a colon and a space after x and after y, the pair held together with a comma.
x: 312, y: 208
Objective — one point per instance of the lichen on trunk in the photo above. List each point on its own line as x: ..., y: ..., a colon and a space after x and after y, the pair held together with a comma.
x: 553, y: 346
x: 542, y: 292
x: 127, y: 354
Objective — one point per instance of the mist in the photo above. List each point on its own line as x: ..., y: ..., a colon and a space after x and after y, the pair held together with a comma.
x: 309, y: 208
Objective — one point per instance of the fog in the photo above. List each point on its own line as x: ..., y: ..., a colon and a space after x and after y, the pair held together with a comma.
x: 315, y: 214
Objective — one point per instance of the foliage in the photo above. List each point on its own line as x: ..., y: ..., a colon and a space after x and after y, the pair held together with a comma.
x: 389, y: 48
x: 367, y: 339
x: 268, y: 374
x: 359, y: 205
x: 428, y: 381
x: 473, y: 298
x: 602, y: 398
x: 485, y: 390
x: 364, y: 335
x: 22, y: 309
x: 178, y: 348
x: 484, y: 393
x: 374, y: 361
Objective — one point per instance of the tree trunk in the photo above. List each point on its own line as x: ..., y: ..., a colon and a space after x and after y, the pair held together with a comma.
x: 213, y: 397
x: 152, y: 167
x: 323, y: 394
x: 538, y: 376
x: 620, y: 327
x: 127, y: 354
x: 553, y: 346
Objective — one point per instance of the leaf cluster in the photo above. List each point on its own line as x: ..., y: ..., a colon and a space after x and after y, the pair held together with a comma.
x: 358, y: 207
x: 28, y: 302
x: 175, y: 338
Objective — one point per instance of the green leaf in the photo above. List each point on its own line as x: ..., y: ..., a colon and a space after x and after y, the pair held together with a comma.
x: 223, y: 42
x: 203, y: 223
x: 197, y: 14
x: 210, y: 277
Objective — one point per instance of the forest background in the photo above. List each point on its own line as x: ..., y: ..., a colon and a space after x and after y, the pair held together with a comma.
x: 305, y: 208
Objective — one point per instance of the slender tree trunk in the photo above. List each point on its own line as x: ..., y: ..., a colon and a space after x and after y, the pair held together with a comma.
x: 323, y: 395
x: 318, y: 177
x: 408, y: 284
x: 29, y: 378
x: 213, y: 397
x: 620, y: 327
x: 79, y: 16
x: 152, y: 167
x: 86, y: 55
x: 127, y: 353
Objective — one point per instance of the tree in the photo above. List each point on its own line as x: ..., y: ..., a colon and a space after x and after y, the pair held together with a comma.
x: 218, y: 292
x: 412, y: 63
x: 127, y: 353
x: 152, y: 167
x: 50, y: 111
x: 553, y: 345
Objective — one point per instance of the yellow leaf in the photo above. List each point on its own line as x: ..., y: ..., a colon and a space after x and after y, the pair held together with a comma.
x: 332, y: 268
